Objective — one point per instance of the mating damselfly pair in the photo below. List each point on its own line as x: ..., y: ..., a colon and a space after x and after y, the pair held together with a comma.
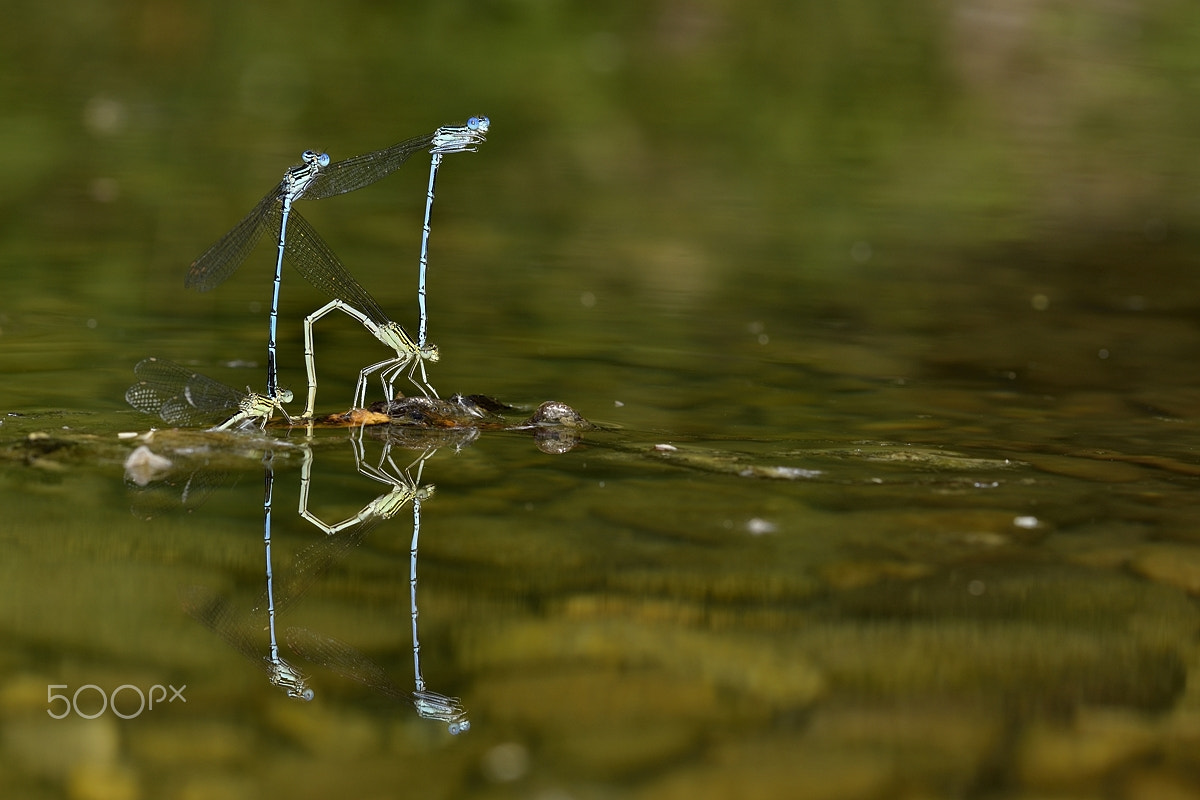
x: 180, y: 396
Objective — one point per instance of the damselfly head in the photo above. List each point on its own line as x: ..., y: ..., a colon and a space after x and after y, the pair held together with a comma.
x: 315, y: 157
x: 431, y: 705
x: 430, y: 353
x: 298, y: 690
x: 460, y: 138
x: 288, y: 678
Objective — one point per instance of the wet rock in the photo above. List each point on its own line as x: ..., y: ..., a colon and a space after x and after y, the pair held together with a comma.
x: 210, y: 785
x: 777, y: 673
x: 617, y: 751
x: 481, y: 405
x: 55, y: 748
x: 1096, y: 745
x: 426, y: 412
x: 556, y: 427
x: 1173, y: 565
x: 1092, y: 469
x: 1161, y: 784
x: 924, y: 457
x: 778, y: 768
x: 103, y: 782
x: 563, y: 697
x: 178, y: 743
x: 323, y: 729
x: 855, y: 574
x: 1034, y: 666
x: 23, y: 692
x: 505, y: 762
x: 935, y: 743
x: 1109, y: 544
x: 552, y: 412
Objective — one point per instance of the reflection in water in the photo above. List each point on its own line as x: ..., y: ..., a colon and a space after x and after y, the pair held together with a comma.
x: 155, y: 489
x: 384, y: 507
x: 216, y: 614
x: 340, y: 656
x: 238, y: 630
x: 849, y: 245
x: 348, y: 662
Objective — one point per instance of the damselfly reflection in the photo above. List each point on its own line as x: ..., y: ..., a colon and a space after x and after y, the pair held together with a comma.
x: 341, y: 657
x: 179, y: 396
x: 350, y: 663
x: 185, y: 489
x: 405, y: 488
x: 343, y: 537
x: 215, y: 612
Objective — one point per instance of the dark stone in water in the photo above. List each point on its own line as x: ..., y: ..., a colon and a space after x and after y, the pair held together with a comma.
x: 482, y: 402
x: 556, y: 427
x: 562, y: 415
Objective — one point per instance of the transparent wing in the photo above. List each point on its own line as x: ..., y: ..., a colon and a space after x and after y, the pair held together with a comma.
x: 363, y: 170
x: 313, y: 259
x: 218, y: 262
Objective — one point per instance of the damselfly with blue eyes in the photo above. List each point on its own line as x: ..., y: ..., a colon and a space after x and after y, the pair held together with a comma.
x: 450, y: 139
x: 220, y: 260
x: 315, y: 178
x: 323, y: 269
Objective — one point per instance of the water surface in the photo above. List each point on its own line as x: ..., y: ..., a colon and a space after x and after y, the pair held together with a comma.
x: 884, y: 318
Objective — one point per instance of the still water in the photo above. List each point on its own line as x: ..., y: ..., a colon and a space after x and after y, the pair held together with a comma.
x: 883, y: 318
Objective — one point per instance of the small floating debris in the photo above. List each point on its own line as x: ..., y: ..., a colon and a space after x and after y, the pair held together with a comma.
x: 779, y: 473
x: 757, y: 526
x: 144, y: 466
